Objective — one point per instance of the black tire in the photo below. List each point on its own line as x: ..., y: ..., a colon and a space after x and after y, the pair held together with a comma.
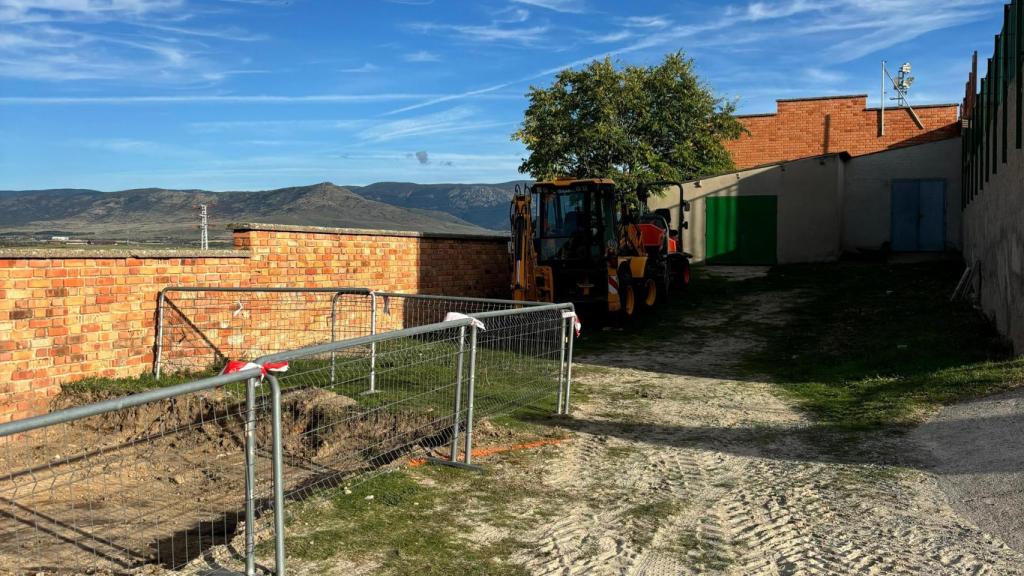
x: 685, y: 276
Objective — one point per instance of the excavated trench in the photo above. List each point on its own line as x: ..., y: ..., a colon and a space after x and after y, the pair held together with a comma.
x: 163, y: 482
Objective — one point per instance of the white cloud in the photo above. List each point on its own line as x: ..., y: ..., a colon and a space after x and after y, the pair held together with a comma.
x: 613, y: 37
x: 647, y: 22
x: 571, y: 6
x: 367, y: 67
x: 458, y: 119
x: 56, y: 40
x: 273, y: 126
x: 216, y: 99
x: 513, y: 16
x: 494, y: 32
x: 903, y: 19
x: 135, y: 146
x: 821, y: 76
x: 421, y: 56
x: 20, y: 11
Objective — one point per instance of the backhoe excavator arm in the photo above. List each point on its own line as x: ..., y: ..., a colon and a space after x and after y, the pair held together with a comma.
x: 524, y: 260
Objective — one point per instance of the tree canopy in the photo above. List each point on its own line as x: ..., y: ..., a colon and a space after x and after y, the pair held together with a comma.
x: 636, y: 125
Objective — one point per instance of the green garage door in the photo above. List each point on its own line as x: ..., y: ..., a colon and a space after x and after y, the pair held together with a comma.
x: 741, y: 229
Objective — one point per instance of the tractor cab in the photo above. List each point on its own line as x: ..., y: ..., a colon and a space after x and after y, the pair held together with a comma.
x: 574, y: 235
x: 579, y: 241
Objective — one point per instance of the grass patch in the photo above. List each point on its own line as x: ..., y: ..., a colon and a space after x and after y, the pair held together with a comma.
x: 647, y: 518
x: 709, y: 558
x: 136, y: 384
x: 407, y: 528
x: 875, y: 345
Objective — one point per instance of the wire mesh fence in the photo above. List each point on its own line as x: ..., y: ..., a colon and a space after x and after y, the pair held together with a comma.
x: 396, y: 311
x: 336, y: 426
x: 154, y: 478
x: 163, y: 476
x: 200, y: 328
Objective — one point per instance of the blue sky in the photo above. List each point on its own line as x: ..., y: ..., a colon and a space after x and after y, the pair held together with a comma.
x: 258, y: 94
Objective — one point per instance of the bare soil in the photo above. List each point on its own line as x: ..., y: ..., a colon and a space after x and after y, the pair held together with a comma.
x: 674, y: 472
x: 681, y: 463
x: 162, y: 483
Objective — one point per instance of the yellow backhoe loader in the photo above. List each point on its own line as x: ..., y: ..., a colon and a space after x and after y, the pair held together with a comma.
x: 578, y: 241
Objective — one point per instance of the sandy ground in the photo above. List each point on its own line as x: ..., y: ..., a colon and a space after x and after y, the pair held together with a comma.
x: 750, y: 487
x: 678, y: 465
x: 977, y: 450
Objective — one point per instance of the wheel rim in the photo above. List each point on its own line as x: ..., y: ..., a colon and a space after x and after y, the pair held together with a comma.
x: 652, y: 292
x: 630, y: 301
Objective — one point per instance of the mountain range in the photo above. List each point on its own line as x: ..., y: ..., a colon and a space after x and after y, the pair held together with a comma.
x: 165, y: 216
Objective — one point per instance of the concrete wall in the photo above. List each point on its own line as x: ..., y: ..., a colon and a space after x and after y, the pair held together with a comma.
x: 809, y: 195
x: 72, y: 314
x: 867, y: 214
x: 993, y: 233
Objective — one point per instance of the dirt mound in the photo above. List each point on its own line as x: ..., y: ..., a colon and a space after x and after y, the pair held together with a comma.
x: 331, y: 429
x: 162, y: 482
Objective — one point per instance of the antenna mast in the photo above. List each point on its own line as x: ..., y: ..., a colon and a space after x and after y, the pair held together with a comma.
x: 901, y: 84
x: 881, y: 103
x: 204, y: 236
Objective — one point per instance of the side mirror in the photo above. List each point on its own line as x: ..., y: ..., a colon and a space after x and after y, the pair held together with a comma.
x: 686, y: 225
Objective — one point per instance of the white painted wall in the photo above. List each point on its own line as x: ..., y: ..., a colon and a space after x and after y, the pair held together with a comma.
x: 867, y: 212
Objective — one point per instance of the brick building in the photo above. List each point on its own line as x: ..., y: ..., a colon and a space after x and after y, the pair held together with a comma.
x: 806, y: 127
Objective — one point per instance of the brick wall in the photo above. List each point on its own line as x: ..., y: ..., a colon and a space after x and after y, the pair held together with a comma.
x: 67, y: 315
x: 815, y: 126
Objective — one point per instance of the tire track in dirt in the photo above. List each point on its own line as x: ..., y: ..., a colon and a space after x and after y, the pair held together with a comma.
x: 758, y: 494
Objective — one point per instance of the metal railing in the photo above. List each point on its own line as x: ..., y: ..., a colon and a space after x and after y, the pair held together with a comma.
x: 165, y: 475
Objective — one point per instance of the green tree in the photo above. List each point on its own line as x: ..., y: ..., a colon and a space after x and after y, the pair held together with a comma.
x: 635, y: 124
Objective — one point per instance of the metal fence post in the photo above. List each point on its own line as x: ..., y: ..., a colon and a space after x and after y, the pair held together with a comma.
x: 568, y: 364
x: 158, y: 353
x: 458, y: 396
x: 373, y: 345
x: 334, y: 328
x: 561, y: 368
x: 278, y: 474
x: 470, y: 395
x: 250, y: 475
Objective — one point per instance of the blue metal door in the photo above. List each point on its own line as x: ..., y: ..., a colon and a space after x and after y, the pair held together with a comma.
x: 931, y: 227
x: 918, y: 215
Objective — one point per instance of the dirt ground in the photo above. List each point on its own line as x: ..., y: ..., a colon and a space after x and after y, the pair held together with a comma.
x: 681, y: 463
x: 977, y: 451
x: 743, y: 488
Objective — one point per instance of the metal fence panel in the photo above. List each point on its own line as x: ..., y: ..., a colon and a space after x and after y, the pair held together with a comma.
x: 154, y: 478
x: 200, y: 328
x: 162, y: 476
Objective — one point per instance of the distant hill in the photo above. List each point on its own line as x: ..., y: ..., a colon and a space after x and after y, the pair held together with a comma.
x: 485, y: 205
x: 170, y: 216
